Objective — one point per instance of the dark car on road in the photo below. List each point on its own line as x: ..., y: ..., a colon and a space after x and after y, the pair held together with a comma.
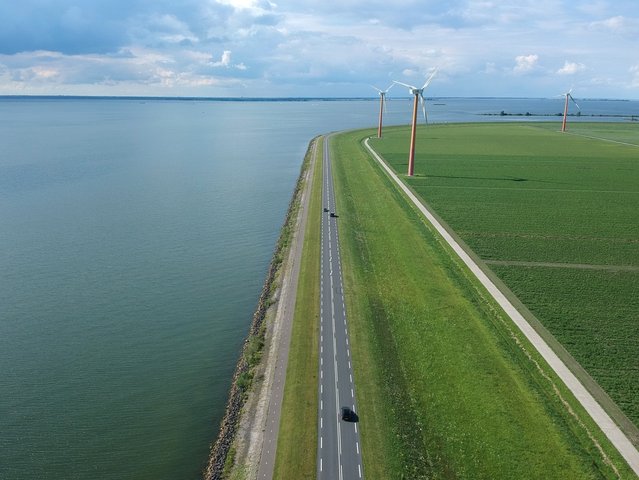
x: 346, y: 414
x: 333, y: 214
x: 325, y: 209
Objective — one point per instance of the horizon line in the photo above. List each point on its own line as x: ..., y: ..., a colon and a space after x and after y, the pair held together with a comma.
x: 271, y: 99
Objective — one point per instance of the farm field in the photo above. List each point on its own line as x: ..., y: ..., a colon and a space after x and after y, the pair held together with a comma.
x: 556, y: 217
x: 445, y: 387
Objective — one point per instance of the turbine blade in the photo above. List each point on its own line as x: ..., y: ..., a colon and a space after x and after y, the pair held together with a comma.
x: 430, y: 78
x: 389, y: 87
x: 405, y: 84
x: 421, y: 99
x: 574, y: 101
x: 375, y: 88
x: 384, y: 103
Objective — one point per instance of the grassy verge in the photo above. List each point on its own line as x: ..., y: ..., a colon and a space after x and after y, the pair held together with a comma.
x: 444, y: 390
x: 297, y: 441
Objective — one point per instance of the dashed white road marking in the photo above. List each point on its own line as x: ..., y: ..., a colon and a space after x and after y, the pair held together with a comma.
x: 329, y: 266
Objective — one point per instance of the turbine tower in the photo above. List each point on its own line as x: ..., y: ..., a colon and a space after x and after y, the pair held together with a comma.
x: 568, y: 95
x: 419, y: 96
x: 382, y: 106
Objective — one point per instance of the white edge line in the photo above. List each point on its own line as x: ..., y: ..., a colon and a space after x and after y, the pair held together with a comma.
x: 599, y: 415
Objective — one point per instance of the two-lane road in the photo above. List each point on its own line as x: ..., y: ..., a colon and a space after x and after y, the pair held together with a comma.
x: 338, y: 447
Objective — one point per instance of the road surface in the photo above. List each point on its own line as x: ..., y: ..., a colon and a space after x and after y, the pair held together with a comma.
x: 338, y: 447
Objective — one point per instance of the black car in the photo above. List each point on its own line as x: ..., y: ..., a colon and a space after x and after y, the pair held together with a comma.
x: 333, y: 214
x: 325, y: 209
x: 347, y: 414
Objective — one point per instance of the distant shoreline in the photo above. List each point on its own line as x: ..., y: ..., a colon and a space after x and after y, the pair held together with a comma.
x: 528, y: 114
x: 265, y: 99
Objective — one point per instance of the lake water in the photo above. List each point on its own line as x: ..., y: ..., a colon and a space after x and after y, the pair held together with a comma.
x: 134, y: 239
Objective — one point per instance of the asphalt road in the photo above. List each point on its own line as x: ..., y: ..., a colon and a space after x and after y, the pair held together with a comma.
x: 338, y: 448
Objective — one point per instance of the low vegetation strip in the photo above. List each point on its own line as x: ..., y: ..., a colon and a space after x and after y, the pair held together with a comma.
x: 526, y: 193
x: 443, y: 389
x: 579, y: 266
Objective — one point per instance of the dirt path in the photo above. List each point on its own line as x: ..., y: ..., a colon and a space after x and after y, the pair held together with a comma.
x: 598, y: 414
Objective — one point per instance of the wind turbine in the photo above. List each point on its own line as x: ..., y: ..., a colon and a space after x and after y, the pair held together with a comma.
x: 419, y: 96
x: 382, y: 106
x: 568, y: 95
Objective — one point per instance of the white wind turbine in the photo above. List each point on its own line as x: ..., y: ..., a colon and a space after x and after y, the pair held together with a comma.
x: 419, y: 96
x: 382, y: 106
x: 568, y: 95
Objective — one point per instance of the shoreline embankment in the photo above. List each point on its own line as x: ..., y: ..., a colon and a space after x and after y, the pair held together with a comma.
x: 221, y: 453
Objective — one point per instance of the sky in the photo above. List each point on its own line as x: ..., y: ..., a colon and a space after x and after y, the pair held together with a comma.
x: 314, y: 48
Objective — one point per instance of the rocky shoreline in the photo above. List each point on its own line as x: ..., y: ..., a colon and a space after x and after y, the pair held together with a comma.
x: 221, y: 451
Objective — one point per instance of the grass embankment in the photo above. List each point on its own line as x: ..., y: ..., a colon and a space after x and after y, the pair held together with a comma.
x: 527, y: 200
x: 444, y: 387
x: 297, y: 441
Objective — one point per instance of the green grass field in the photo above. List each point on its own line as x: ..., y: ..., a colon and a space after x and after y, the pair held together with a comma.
x: 527, y: 200
x: 445, y: 387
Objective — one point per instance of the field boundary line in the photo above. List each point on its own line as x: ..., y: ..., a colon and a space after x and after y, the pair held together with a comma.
x: 577, y: 266
x: 570, y: 190
x: 602, y: 139
x: 616, y: 436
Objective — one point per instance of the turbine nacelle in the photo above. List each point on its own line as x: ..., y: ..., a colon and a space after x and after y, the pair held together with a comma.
x: 383, y: 92
x: 419, y: 92
x: 568, y: 95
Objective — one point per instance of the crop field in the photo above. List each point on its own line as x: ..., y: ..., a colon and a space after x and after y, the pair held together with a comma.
x: 445, y: 388
x: 556, y: 217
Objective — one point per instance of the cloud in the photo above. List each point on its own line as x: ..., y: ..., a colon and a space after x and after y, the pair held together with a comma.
x: 618, y: 24
x: 225, y: 62
x: 104, y: 26
x: 305, y: 47
x: 525, y: 63
x: 570, y: 68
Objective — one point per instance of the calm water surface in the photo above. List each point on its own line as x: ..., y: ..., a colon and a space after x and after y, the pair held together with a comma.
x: 134, y: 240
